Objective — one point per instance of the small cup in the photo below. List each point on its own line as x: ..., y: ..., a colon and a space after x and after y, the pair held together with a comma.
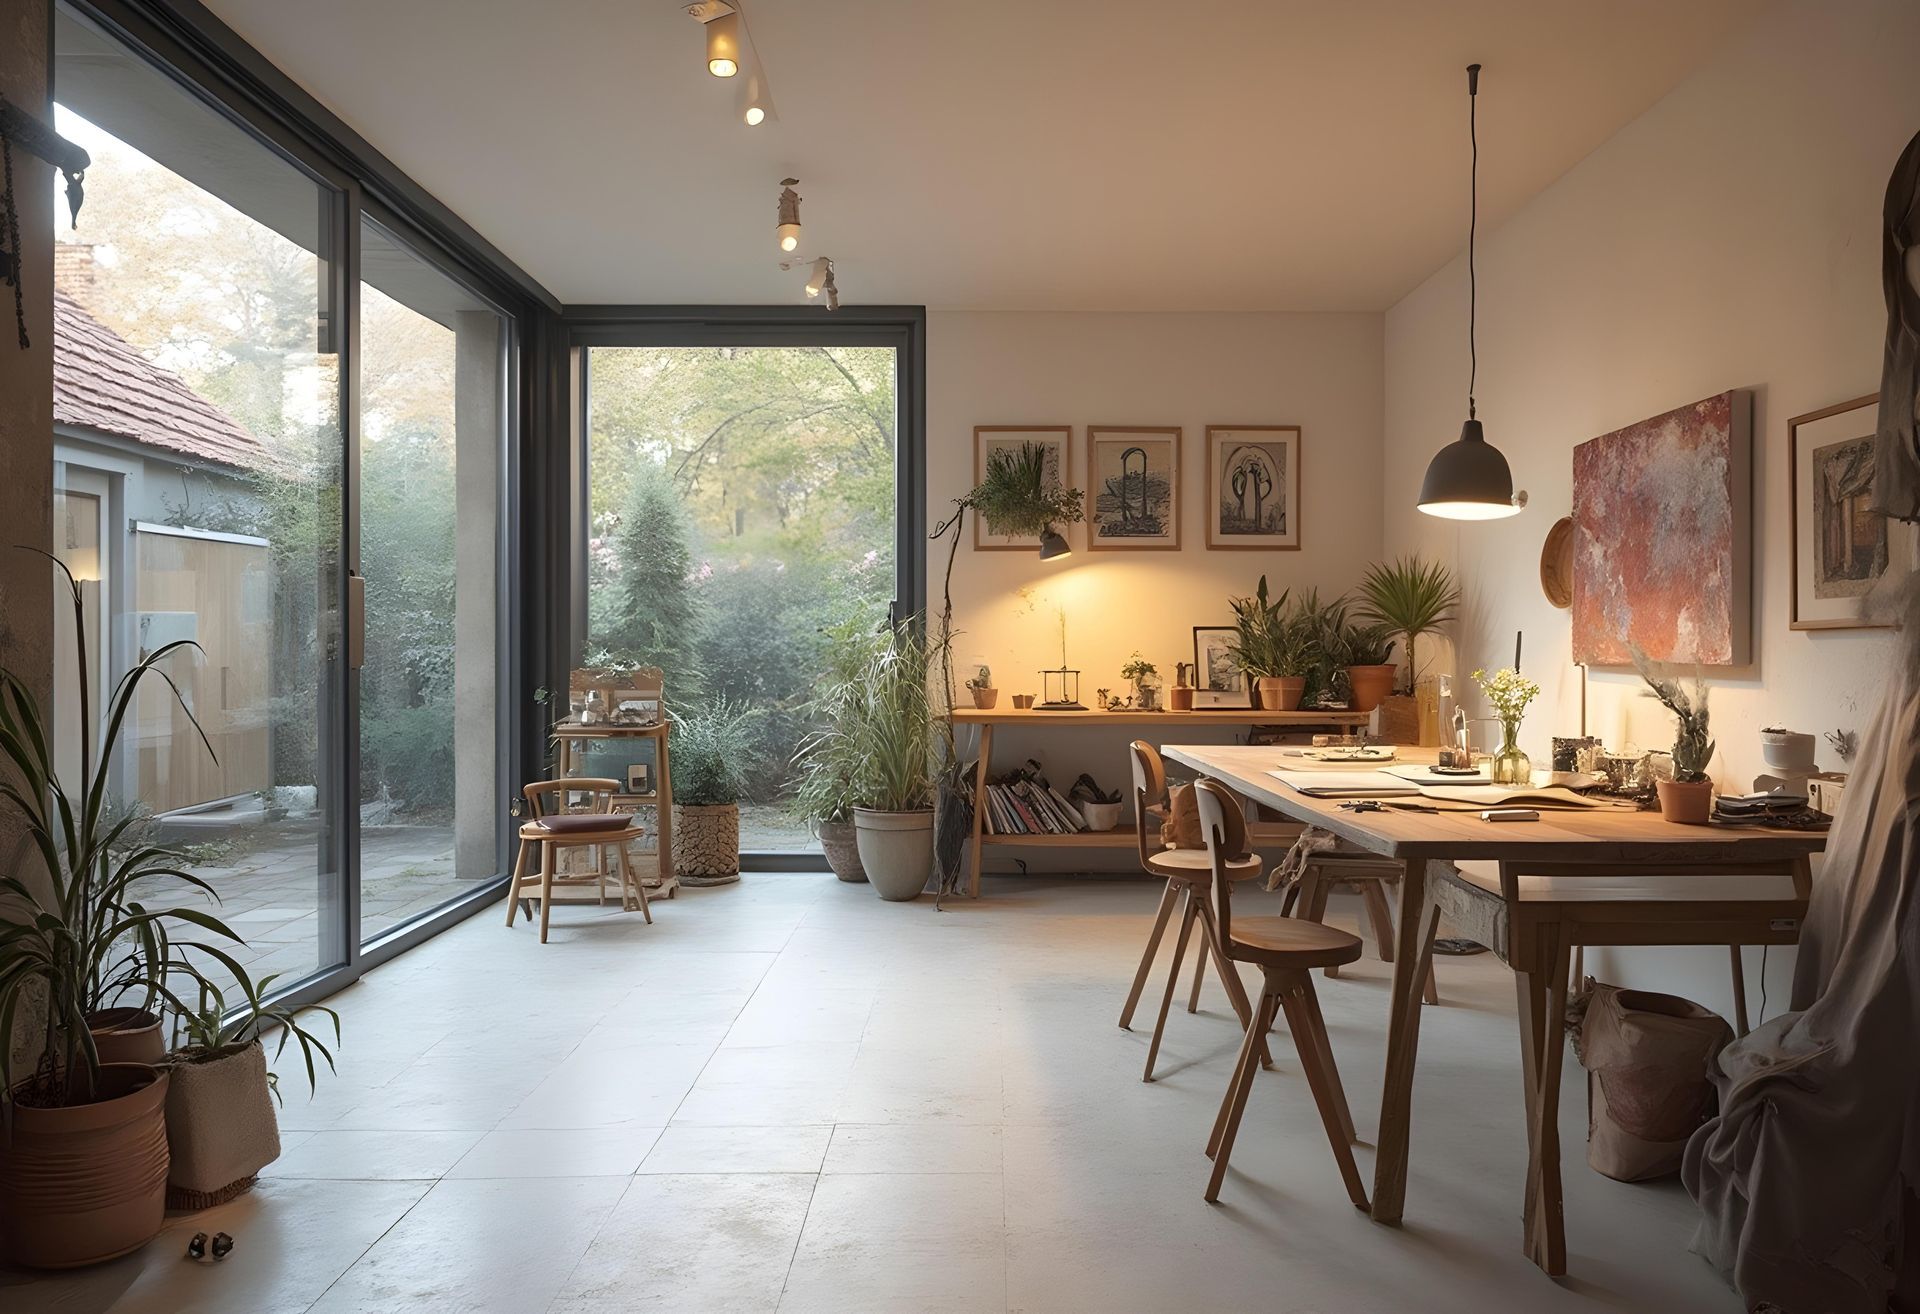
x: 1023, y: 701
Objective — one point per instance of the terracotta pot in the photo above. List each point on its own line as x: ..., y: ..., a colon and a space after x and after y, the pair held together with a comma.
x: 706, y: 843
x: 1371, y: 685
x: 1281, y: 693
x: 127, y: 1035
x: 88, y: 1183
x: 985, y: 699
x: 1689, y: 802
x: 221, y: 1127
x: 1180, y: 700
x: 896, y: 850
x: 837, y: 841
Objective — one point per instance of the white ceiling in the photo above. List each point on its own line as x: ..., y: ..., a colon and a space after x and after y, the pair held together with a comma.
x: 1046, y: 154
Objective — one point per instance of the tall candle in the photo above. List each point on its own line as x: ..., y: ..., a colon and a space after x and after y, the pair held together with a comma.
x: 1517, y: 634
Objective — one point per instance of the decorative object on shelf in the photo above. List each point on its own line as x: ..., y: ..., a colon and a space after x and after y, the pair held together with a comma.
x: 639, y: 778
x: 1579, y: 753
x: 1508, y: 692
x: 1844, y: 743
x: 1020, y: 488
x: 1133, y: 481
x: 1841, y: 546
x: 827, y: 766
x: 1144, y: 676
x: 1663, y: 572
x: 1628, y: 771
x: 1556, y: 564
x: 1060, y: 687
x: 1100, y: 809
x: 1180, y: 697
x: 1897, y: 484
x: 710, y: 746
x: 980, y: 685
x: 1786, y: 750
x: 1218, y: 679
x: 1023, y: 702
x: 1274, y: 646
x: 1412, y: 597
x: 1688, y: 796
x: 1253, y: 486
x: 615, y: 696
x: 1469, y: 479
x: 891, y: 725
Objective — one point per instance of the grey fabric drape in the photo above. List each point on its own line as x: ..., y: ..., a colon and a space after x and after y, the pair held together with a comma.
x: 1896, y: 486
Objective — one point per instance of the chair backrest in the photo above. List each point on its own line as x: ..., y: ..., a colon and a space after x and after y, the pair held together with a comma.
x: 1224, y: 829
x: 546, y: 798
x: 1149, y: 790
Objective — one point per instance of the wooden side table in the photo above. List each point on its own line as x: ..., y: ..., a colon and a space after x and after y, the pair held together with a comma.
x: 572, y: 739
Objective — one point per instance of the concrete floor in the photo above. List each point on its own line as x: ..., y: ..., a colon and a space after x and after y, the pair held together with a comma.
x: 786, y: 1094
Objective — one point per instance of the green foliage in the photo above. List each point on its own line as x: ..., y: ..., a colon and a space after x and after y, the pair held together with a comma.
x: 1413, y: 598
x: 211, y: 1031
x: 891, y: 724
x: 1259, y: 624
x: 1014, y: 497
x: 1692, y: 745
x: 1314, y: 644
x: 827, y: 767
x: 710, y: 746
x: 1137, y: 669
x: 655, y: 618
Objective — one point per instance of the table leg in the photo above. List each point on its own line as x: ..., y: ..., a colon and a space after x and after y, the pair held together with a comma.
x: 979, y: 807
x: 1546, y: 1232
x: 1739, y: 991
x: 1412, y: 932
x: 519, y: 873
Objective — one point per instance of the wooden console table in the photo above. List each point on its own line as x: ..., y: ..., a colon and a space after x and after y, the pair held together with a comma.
x: 571, y: 738
x: 1148, y: 725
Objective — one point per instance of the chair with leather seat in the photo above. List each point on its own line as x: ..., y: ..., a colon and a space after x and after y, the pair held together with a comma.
x: 1287, y: 950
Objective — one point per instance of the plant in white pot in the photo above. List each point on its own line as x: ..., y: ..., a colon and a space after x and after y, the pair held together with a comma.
x: 221, y: 1127
x: 892, y: 728
x: 826, y: 767
x: 710, y: 748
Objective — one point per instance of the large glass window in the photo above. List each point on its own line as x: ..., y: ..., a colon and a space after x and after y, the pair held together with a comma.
x: 742, y: 501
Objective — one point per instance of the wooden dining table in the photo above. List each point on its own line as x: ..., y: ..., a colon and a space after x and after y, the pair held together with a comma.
x: 1600, y: 842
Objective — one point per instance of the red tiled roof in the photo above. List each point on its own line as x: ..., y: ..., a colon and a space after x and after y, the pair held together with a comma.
x: 100, y: 382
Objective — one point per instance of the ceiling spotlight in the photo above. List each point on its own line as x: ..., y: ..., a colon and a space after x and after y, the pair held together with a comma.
x: 821, y: 278
x: 756, y: 104
x: 723, y: 35
x: 789, y: 222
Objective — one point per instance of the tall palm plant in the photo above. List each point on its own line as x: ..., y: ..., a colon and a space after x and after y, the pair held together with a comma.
x: 1412, y: 597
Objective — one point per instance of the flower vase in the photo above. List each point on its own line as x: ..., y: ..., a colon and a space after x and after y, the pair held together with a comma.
x: 1511, y: 765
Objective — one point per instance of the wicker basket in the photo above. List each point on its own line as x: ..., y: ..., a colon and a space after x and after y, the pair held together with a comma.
x: 706, y: 844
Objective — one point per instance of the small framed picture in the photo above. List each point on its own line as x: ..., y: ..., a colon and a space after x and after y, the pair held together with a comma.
x: 1841, y: 547
x: 1253, y: 486
x: 639, y: 778
x: 1133, y: 489
x: 1217, y: 678
x: 1055, y: 439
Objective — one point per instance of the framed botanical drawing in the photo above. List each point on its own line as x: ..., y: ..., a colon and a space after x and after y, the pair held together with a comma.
x: 1841, y: 548
x: 1253, y: 486
x: 1133, y: 488
x: 1217, y: 678
x: 1055, y: 439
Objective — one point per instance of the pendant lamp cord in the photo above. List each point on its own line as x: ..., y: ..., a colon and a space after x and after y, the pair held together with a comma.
x: 1473, y: 224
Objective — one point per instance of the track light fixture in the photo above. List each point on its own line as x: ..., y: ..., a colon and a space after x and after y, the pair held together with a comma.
x: 756, y: 101
x: 788, y: 229
x: 822, y: 275
x: 723, y: 44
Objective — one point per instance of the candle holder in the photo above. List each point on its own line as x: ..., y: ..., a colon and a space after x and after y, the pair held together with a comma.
x: 1060, y: 690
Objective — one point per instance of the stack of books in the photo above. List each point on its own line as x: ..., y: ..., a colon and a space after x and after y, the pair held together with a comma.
x: 1774, y: 808
x: 1023, y: 806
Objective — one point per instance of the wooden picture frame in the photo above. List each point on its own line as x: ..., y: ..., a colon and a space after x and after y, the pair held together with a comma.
x: 1841, y: 549
x: 988, y: 436
x: 1123, y: 516
x: 1212, y: 687
x: 1256, y: 518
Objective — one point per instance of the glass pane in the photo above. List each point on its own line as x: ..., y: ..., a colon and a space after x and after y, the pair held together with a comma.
x: 742, y: 501
x: 198, y: 440
x: 432, y: 432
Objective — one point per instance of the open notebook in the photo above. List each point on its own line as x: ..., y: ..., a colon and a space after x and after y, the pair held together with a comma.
x: 1396, y: 790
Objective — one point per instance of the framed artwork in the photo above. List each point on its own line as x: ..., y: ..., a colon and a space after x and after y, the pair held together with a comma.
x: 1662, y: 538
x: 1056, y: 439
x: 1217, y: 678
x: 1253, y: 486
x: 1841, y: 548
x: 1133, y: 489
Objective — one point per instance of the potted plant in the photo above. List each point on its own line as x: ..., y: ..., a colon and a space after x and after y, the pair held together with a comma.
x: 1015, y: 497
x: 1508, y: 692
x: 1258, y: 623
x: 891, y: 725
x: 710, y: 747
x: 1688, y: 797
x: 221, y: 1128
x: 1367, y: 651
x: 827, y: 764
x: 1410, y: 598
x: 83, y: 1168
x: 1144, y: 676
x: 980, y: 684
x: 1326, y: 675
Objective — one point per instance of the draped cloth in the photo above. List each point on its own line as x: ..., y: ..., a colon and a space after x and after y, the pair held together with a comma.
x: 1805, y: 1178
x: 1897, y: 478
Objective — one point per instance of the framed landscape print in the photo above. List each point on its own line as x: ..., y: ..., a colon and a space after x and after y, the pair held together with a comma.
x: 1056, y: 439
x: 1841, y: 548
x: 1253, y: 486
x: 1133, y: 488
x: 1217, y: 678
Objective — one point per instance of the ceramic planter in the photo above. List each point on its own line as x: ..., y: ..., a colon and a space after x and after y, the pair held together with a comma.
x: 1281, y: 693
x: 896, y: 850
x: 706, y: 843
x: 221, y: 1127
x: 1689, y: 802
x: 1180, y: 700
x: 1101, y: 816
x: 127, y: 1035
x: 1371, y: 684
x: 838, y: 842
x: 985, y: 699
x: 84, y: 1184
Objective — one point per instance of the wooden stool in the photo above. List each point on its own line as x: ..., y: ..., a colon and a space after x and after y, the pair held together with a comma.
x: 547, y: 798
x: 1370, y: 876
x: 1286, y: 949
x: 1188, y: 873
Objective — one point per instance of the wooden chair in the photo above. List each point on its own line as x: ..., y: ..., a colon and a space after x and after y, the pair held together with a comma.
x: 1371, y: 877
x: 546, y: 798
x: 1286, y: 950
x: 1188, y: 873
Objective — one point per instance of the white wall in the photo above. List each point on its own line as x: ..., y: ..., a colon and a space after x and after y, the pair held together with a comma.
x: 1321, y: 372
x: 1729, y: 238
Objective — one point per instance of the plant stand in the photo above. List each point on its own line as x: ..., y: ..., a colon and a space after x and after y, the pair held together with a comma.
x: 653, y: 867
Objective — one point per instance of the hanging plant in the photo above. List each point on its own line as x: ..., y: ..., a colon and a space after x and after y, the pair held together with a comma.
x: 1015, y: 497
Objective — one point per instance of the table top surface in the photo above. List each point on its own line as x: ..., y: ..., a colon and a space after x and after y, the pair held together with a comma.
x: 1235, y: 716
x: 1587, y: 835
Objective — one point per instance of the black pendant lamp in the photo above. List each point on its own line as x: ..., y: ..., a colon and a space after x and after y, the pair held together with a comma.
x: 1468, y: 479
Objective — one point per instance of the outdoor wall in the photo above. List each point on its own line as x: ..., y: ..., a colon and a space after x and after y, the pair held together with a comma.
x: 1729, y: 238
x: 1321, y: 372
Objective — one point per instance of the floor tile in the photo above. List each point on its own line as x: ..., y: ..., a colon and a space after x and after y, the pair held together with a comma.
x: 914, y: 1148
x: 539, y: 1152
x: 691, y: 1148
x: 372, y: 1155
x: 885, y: 1242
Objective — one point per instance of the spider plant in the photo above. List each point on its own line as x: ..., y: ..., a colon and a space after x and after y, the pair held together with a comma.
x: 82, y: 939
x: 1411, y: 597
x: 209, y: 1031
x: 891, y: 725
x: 826, y: 767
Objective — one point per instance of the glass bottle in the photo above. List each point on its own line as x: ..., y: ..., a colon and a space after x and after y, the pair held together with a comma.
x: 1510, y: 765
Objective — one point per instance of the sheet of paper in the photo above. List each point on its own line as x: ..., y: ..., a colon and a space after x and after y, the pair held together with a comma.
x: 1344, y: 784
x: 1421, y: 773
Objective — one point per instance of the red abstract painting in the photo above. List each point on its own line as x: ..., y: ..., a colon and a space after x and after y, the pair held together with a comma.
x: 1661, y: 537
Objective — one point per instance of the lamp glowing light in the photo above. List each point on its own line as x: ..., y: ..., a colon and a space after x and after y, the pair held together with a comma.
x: 723, y: 45
x: 1053, y: 546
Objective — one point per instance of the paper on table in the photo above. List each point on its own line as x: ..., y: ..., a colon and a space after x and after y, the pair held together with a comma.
x: 1421, y: 773
x: 1343, y: 784
x: 1470, y: 797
